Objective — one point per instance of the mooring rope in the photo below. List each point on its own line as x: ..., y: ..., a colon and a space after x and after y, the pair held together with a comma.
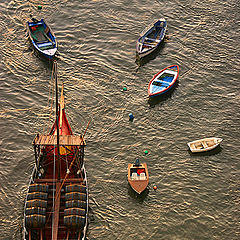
x: 50, y: 98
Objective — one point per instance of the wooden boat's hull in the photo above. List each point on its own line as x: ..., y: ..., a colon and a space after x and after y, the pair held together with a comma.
x: 47, y: 231
x: 151, y: 39
x: 163, y: 81
x: 138, y: 184
x: 56, y: 205
x: 45, y: 43
x: 204, y: 145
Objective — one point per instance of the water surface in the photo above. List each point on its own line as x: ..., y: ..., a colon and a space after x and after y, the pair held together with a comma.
x: 197, y: 195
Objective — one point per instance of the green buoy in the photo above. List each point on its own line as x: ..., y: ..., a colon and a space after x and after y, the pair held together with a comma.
x: 146, y: 151
x: 124, y: 89
x: 39, y: 7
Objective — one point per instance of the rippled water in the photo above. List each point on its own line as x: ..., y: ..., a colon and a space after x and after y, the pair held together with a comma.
x: 198, y: 195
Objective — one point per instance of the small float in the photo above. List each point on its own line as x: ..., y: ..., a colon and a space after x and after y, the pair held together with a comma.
x: 205, y: 144
x: 42, y: 38
x: 151, y: 38
x: 138, y: 177
x: 163, y: 81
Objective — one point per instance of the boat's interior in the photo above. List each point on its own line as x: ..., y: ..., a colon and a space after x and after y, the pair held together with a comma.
x: 210, y: 143
x: 163, y: 81
x: 166, y: 77
x: 203, y: 144
x: 42, y: 36
x: 138, y: 173
x: 160, y: 83
x: 198, y: 145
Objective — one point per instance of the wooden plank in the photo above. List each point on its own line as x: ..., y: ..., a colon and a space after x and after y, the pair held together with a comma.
x: 51, y: 181
x: 64, y: 140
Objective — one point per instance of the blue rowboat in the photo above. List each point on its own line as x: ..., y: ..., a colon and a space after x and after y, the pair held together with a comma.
x: 42, y: 38
x: 163, y: 81
x: 151, y: 38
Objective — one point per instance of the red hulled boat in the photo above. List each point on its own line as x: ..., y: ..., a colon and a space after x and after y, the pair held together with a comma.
x: 56, y: 205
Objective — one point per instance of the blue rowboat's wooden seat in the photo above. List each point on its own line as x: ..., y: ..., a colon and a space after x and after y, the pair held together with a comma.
x: 148, y: 45
x: 152, y: 39
x: 160, y: 83
x: 45, y: 45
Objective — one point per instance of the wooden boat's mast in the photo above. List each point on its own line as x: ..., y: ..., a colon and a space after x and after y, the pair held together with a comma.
x: 57, y: 197
x: 57, y: 122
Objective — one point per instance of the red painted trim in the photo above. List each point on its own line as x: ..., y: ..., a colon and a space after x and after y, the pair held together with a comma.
x: 65, y: 125
x: 155, y: 76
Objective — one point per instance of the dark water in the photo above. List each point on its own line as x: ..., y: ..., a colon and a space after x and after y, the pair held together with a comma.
x: 198, y: 196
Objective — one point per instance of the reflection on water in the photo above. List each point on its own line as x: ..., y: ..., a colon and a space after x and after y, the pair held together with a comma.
x: 138, y: 197
x: 144, y: 60
x: 214, y: 151
x: 97, y: 58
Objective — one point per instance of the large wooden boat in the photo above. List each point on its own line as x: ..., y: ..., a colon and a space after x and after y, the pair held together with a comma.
x: 56, y: 206
x: 205, y: 144
x: 138, y: 177
x: 42, y: 38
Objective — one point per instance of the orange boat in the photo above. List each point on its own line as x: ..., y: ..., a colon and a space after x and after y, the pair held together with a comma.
x: 138, y: 177
x: 56, y: 205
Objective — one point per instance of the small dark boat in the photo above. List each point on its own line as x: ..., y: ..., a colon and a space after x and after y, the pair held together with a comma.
x: 42, y: 38
x: 163, y: 81
x: 151, y: 38
x: 56, y: 205
x: 138, y: 177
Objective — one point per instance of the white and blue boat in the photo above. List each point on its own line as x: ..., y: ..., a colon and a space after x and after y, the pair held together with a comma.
x: 163, y: 81
x: 151, y: 38
x: 42, y: 38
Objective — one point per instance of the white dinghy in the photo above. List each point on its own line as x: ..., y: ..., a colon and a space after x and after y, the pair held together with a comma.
x: 205, y: 144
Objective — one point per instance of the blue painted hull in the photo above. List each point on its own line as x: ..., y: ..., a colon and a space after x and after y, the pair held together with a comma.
x: 163, y: 81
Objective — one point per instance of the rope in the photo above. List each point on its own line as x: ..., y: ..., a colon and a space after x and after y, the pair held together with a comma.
x: 66, y: 161
x: 51, y: 87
